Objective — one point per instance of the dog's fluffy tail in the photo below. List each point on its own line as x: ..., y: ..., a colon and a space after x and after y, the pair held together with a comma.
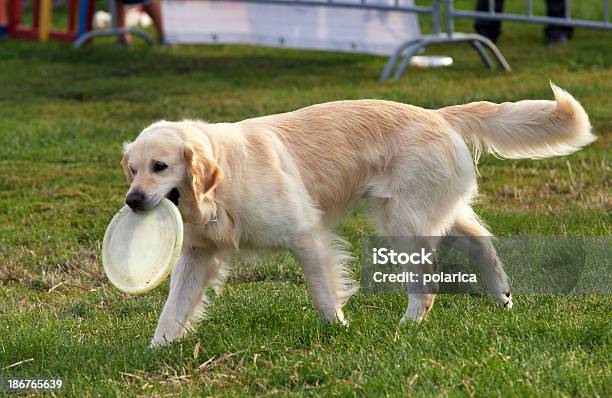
x: 525, y: 129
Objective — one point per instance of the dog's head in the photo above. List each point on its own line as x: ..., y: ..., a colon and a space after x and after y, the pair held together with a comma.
x: 173, y: 160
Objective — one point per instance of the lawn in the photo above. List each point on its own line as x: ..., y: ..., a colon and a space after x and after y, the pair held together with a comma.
x: 63, y: 117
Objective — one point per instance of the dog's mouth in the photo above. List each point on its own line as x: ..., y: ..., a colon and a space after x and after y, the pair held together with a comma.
x: 174, y: 196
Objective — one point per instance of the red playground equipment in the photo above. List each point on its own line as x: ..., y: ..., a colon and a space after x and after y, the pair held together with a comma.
x: 3, y: 18
x: 80, y: 15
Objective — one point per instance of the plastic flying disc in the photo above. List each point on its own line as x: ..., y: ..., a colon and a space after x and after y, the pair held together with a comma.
x: 430, y: 61
x: 140, y: 249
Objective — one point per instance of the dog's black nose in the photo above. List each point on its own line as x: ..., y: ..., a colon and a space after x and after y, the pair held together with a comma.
x: 134, y: 200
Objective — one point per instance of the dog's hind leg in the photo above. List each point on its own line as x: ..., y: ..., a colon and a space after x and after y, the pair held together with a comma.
x: 421, y: 296
x: 195, y: 271
x: 412, y: 232
x: 475, y: 242
x: 322, y: 262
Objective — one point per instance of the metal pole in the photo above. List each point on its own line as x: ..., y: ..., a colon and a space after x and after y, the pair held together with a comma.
x: 561, y: 21
x: 449, y: 18
x: 529, y: 8
x: 112, y: 8
x: 83, y: 17
x: 436, y: 16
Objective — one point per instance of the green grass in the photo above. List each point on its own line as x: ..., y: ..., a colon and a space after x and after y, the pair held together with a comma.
x: 63, y: 117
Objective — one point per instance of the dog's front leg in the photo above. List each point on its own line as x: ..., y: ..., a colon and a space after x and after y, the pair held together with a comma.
x: 195, y: 271
x: 326, y: 284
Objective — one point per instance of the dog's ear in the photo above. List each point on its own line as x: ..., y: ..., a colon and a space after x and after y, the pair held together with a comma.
x: 203, y: 175
x: 125, y: 163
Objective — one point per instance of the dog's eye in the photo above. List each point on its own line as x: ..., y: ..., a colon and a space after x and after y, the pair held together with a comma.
x: 159, y: 166
x: 133, y: 170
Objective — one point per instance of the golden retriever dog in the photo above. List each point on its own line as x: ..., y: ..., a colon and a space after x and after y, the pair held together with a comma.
x: 283, y: 181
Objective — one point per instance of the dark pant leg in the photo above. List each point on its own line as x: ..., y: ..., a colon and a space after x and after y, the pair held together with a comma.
x: 556, y: 8
x: 490, y: 29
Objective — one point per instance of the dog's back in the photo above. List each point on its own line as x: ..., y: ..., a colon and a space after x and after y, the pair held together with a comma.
x: 340, y: 146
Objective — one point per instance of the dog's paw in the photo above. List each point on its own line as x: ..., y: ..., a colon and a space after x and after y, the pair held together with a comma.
x: 340, y: 319
x: 158, y: 343
x: 344, y: 322
x: 417, y: 310
x: 165, y: 336
x: 505, y: 300
x: 508, y: 303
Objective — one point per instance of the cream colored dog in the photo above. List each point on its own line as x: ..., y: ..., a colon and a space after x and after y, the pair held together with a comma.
x: 282, y: 181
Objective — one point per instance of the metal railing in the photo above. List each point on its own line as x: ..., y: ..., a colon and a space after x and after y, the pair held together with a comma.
x: 480, y: 43
x: 400, y: 58
x: 406, y: 50
x: 452, y: 13
x: 114, y: 30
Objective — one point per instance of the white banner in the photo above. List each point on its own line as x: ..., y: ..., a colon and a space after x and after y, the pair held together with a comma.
x: 309, y: 27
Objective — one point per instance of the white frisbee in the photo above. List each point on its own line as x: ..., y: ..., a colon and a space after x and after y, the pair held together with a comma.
x: 140, y: 249
x: 430, y: 61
